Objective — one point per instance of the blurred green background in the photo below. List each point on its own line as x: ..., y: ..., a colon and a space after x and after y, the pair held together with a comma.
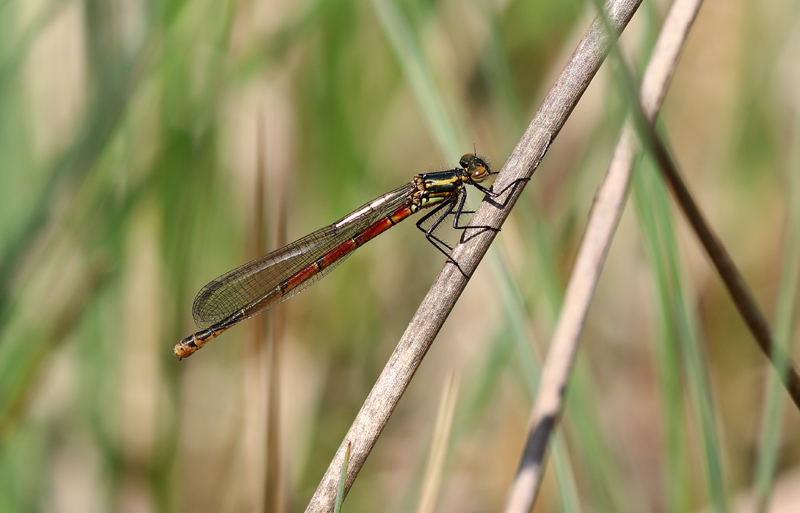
x: 131, y: 135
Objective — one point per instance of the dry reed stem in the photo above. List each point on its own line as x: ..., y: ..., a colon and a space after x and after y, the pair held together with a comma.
x: 437, y: 304
x: 603, y: 220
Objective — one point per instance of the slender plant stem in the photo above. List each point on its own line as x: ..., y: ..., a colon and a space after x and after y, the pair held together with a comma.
x: 603, y: 220
x: 437, y: 304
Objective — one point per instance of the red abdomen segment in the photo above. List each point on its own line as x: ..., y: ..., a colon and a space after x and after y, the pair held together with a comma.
x: 345, y: 248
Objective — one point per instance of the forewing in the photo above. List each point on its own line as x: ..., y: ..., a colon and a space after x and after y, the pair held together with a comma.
x: 248, y: 284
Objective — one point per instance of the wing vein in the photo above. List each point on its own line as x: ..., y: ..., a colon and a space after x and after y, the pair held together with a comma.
x: 256, y: 283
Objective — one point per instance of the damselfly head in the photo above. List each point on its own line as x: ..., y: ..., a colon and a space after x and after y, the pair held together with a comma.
x: 475, y: 166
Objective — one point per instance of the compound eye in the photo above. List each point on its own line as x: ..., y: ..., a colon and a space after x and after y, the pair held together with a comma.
x: 479, y: 172
x: 475, y: 167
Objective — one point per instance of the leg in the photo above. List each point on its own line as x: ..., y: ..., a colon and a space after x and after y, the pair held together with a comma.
x: 433, y: 239
x: 492, y: 194
x: 489, y: 195
x: 438, y: 243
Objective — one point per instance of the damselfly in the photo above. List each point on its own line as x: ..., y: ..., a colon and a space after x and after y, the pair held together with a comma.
x: 275, y: 277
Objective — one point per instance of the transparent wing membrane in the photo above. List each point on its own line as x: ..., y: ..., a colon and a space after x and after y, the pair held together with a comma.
x: 256, y: 286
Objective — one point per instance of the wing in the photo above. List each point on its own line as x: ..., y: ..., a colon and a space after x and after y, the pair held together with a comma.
x: 256, y: 286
